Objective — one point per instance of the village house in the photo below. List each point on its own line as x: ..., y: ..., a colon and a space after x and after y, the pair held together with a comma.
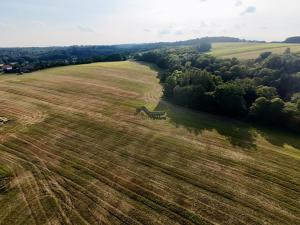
x: 7, y: 68
x: 1, y: 67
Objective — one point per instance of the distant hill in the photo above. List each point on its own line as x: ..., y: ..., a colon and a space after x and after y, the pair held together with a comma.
x: 223, y: 40
x: 196, y: 41
x: 291, y: 40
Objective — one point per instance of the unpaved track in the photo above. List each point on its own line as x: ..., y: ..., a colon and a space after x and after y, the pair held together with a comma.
x: 79, y: 155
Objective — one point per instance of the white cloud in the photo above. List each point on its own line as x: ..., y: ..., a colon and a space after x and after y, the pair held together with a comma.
x: 249, y: 10
x: 68, y: 22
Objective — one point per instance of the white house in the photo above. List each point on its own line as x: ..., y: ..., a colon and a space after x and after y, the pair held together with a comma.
x: 7, y: 68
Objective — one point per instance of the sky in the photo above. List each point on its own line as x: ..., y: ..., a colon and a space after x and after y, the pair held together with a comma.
x: 97, y: 22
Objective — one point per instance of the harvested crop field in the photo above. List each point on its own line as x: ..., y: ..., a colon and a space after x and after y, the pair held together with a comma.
x: 250, y: 50
x: 76, y: 154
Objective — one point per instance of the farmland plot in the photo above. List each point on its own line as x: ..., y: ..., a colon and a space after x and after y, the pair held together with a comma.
x: 76, y: 153
x: 250, y: 50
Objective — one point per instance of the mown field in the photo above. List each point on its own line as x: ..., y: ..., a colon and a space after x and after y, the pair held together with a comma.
x: 250, y: 50
x: 75, y: 153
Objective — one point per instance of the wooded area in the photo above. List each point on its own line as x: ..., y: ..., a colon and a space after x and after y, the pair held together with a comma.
x: 266, y: 89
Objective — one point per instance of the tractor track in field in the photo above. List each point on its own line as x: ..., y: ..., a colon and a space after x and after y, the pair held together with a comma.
x: 27, y: 161
x: 232, y: 170
x: 114, y: 154
x: 157, y: 185
x: 110, y: 180
x: 46, y: 187
x: 85, y: 138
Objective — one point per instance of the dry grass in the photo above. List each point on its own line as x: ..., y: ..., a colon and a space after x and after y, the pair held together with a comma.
x: 78, y: 155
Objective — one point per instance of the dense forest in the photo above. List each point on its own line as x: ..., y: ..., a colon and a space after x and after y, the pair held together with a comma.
x: 30, y: 59
x: 266, y: 89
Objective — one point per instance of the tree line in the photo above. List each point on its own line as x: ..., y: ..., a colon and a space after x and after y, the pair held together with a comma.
x: 31, y: 59
x: 266, y: 89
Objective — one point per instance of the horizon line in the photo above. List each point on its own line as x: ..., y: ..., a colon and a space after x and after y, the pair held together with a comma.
x: 136, y: 43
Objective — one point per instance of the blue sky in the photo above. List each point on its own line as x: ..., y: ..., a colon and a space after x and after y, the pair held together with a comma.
x: 69, y: 22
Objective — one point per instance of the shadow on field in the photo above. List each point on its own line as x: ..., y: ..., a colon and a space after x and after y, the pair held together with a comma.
x: 237, y: 133
x: 279, y: 137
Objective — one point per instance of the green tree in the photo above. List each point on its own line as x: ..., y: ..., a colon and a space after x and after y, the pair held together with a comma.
x: 202, y: 77
x: 267, y: 92
x: 238, y: 71
x: 230, y: 100
x: 196, y: 97
x: 204, y: 47
x: 182, y: 95
x: 276, y: 110
x: 268, y: 111
x: 271, y: 79
x: 203, y: 61
x: 260, y: 109
x: 264, y: 55
x: 174, y: 62
x: 289, y: 85
x: 171, y: 82
x: 250, y: 90
x: 273, y: 62
x: 295, y: 97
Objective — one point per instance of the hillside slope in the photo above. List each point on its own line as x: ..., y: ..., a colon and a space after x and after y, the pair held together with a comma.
x: 250, y: 50
x: 295, y: 39
x: 79, y: 155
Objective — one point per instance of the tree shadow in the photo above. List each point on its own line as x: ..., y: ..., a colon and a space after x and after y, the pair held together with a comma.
x: 237, y: 133
x: 279, y: 137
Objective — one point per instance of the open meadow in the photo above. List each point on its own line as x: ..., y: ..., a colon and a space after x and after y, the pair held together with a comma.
x: 74, y: 152
x: 250, y: 50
